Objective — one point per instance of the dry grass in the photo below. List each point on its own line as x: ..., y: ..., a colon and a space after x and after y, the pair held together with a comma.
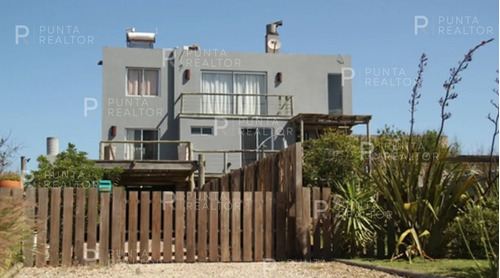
x: 14, y: 228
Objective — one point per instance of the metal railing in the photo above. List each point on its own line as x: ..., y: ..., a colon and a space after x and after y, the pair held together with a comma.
x: 259, y: 153
x: 108, y: 151
x: 214, y: 104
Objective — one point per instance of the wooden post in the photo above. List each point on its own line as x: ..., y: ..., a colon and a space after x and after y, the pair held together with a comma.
x: 301, y: 131
x: 224, y: 166
x: 101, y: 151
x: 300, y: 231
x: 23, y: 170
x: 201, y: 171
x: 369, y: 145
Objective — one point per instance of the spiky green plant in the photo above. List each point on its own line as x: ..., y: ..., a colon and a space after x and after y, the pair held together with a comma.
x: 357, y: 210
x: 423, y: 208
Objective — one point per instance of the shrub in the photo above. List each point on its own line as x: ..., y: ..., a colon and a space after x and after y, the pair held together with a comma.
x: 475, y: 217
x: 10, y: 176
x: 71, y: 168
x: 333, y: 158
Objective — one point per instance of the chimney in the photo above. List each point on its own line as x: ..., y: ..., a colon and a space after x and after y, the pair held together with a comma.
x: 52, y: 148
x: 273, y: 43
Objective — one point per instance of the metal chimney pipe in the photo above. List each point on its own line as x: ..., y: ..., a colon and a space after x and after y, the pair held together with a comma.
x: 272, y: 28
x: 52, y: 146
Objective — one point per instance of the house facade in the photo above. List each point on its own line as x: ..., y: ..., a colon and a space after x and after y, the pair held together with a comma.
x: 232, y: 107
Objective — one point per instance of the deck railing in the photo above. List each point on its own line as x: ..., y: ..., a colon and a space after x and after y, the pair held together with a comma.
x: 214, y: 104
x: 136, y: 149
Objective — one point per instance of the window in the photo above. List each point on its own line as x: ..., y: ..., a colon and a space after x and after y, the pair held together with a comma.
x: 258, y: 139
x: 141, y: 150
x: 142, y: 82
x: 335, y: 94
x: 202, y: 130
x: 234, y: 93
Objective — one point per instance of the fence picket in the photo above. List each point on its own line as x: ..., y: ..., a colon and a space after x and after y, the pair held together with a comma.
x: 167, y: 226
x: 224, y: 226
x: 179, y: 226
x: 41, y: 218
x: 29, y: 213
x: 258, y: 226
x: 116, y: 226
x: 156, y: 227
x: 104, y: 229
x: 202, y: 227
x: 79, y: 225
x: 268, y: 226
x: 91, y: 253
x: 280, y: 225
x: 213, y: 226
x: 236, y: 226
x: 327, y: 224
x: 306, y: 223
x: 67, y: 240
x: 55, y: 219
x: 247, y: 226
x: 190, y: 227
x: 132, y: 226
x: 316, y: 229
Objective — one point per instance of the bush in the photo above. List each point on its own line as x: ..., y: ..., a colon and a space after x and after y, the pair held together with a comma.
x: 14, y: 228
x: 71, y: 168
x: 476, y: 216
x: 333, y: 158
x: 11, y: 176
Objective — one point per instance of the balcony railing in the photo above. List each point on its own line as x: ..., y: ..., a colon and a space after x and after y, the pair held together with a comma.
x: 199, y: 104
x: 225, y: 160
x: 146, y: 150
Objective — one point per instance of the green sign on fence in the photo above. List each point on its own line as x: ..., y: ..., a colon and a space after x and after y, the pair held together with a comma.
x: 105, y: 186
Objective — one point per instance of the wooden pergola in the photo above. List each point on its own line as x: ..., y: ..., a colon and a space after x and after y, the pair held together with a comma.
x: 316, y: 123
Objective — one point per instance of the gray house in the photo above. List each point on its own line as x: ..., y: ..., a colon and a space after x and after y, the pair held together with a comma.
x: 232, y: 107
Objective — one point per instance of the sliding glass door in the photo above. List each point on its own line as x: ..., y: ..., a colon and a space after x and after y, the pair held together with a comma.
x: 239, y: 93
x: 141, y: 150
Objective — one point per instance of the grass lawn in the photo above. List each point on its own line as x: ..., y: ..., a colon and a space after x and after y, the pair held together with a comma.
x: 444, y: 267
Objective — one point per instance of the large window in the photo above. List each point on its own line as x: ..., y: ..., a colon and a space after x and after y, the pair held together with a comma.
x: 142, y: 82
x: 234, y: 93
x: 141, y: 150
x: 257, y: 140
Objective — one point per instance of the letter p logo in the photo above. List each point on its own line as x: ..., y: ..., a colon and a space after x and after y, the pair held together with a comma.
x: 421, y: 21
x: 22, y: 34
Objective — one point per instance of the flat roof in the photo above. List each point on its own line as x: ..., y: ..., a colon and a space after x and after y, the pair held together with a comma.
x: 326, y: 120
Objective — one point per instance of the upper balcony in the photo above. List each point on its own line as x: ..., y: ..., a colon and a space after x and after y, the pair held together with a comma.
x: 235, y: 105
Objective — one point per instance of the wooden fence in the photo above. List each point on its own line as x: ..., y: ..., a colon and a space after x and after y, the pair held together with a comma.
x: 252, y: 214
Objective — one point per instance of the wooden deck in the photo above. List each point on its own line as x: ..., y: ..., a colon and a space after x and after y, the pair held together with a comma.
x: 152, y: 172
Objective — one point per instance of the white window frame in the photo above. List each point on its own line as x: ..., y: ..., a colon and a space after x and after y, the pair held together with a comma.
x: 142, y: 75
x: 201, y: 130
x: 142, y: 138
x: 234, y: 73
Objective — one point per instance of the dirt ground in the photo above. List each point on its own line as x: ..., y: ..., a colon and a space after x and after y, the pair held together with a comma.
x: 205, y: 270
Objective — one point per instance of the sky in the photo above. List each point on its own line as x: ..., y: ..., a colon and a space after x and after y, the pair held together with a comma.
x: 45, y: 80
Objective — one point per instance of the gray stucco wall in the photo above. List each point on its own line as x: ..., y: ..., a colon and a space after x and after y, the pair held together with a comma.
x: 305, y: 77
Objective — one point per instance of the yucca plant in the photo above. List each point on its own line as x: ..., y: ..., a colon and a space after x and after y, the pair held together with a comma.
x: 357, y: 209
